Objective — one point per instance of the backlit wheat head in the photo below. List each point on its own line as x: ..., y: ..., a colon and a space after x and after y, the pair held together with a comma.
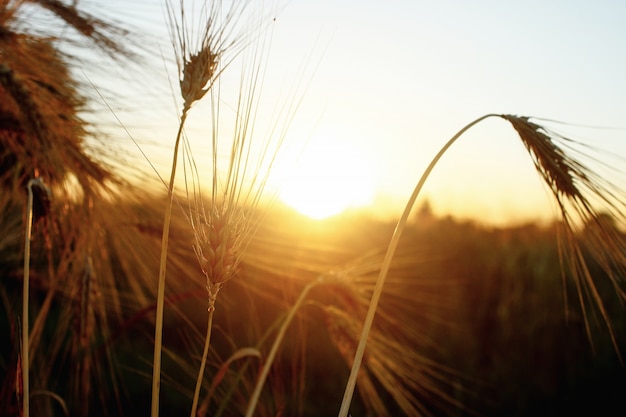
x: 218, y: 246
x: 223, y: 224
x: 198, y: 71
x: 239, y: 165
x: 199, y: 55
x: 558, y: 170
x: 591, y: 206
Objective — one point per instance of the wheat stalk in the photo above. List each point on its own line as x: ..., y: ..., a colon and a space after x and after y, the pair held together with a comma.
x: 38, y: 182
x: 85, y: 324
x: 198, y: 66
x: 223, y: 230
x: 254, y: 398
x: 218, y: 250
x: 570, y: 181
x: 25, y: 302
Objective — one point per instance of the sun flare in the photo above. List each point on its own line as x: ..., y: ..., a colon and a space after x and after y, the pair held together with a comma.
x: 326, y: 179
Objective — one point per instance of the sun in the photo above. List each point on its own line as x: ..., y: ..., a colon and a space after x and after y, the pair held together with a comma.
x: 326, y: 179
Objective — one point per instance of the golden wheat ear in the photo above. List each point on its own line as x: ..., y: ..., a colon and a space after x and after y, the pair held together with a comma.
x: 591, y: 208
x: 202, y: 57
x: 199, y: 61
x: 198, y: 71
x: 558, y: 170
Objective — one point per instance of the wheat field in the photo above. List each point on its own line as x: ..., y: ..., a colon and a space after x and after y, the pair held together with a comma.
x: 201, y: 294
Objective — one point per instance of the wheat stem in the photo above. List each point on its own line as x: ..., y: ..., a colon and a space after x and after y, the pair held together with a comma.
x: 391, y: 249
x: 272, y: 355
x: 158, y: 327
x: 207, y: 342
x: 25, y: 301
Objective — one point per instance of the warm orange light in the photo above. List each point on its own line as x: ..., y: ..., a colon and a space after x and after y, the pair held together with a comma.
x: 328, y: 178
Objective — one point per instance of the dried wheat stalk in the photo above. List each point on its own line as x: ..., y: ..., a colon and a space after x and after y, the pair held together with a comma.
x: 199, y: 64
x: 576, y: 188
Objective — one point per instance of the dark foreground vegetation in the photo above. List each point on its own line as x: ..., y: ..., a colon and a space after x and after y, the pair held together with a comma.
x: 479, y: 317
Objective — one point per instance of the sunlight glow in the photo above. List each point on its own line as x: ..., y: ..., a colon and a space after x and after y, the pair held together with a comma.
x: 328, y: 178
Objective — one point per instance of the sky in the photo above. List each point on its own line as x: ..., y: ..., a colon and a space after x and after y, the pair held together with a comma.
x: 382, y: 86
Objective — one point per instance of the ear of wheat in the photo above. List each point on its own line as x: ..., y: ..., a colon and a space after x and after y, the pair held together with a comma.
x: 198, y: 71
x: 199, y: 62
x: 218, y: 239
x: 222, y: 230
x: 585, y: 200
x: 202, y: 57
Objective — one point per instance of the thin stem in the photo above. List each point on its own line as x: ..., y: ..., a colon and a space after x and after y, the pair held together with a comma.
x: 272, y: 355
x: 391, y: 250
x: 25, y: 301
x: 158, y: 327
x: 55, y: 397
x: 207, y: 342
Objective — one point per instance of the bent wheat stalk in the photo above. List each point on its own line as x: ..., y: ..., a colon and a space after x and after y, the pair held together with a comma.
x: 254, y: 399
x: 25, y: 295
x: 569, y: 181
x: 25, y: 301
x: 380, y: 282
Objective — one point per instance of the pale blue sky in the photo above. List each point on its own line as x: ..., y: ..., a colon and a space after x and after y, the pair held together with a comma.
x: 396, y: 79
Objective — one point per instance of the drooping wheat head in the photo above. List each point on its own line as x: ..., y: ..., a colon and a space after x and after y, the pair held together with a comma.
x: 101, y: 33
x: 553, y: 164
x: 591, y: 207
